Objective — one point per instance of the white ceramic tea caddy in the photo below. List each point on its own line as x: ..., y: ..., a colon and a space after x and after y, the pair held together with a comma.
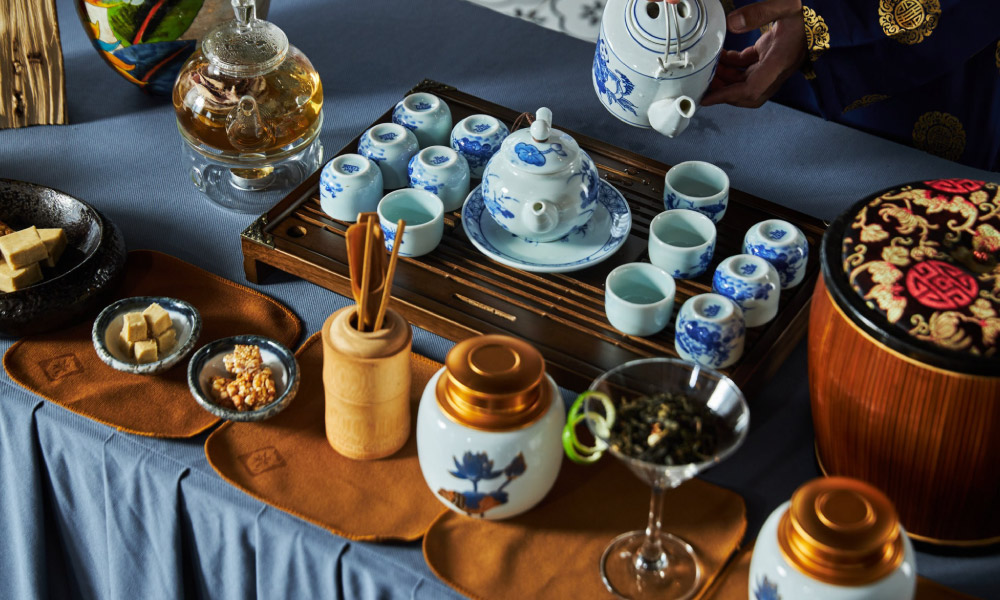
x: 540, y: 186
x: 489, y: 428
x: 837, y: 539
x: 654, y: 60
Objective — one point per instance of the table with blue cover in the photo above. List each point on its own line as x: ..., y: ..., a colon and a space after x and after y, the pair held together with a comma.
x: 89, y: 512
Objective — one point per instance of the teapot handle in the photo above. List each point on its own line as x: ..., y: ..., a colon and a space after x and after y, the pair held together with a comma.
x: 680, y: 59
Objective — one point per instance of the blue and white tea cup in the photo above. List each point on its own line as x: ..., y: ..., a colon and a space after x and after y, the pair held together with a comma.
x: 697, y: 185
x: 349, y: 184
x: 427, y: 116
x: 423, y: 215
x: 710, y: 331
x: 477, y: 138
x: 751, y: 282
x: 781, y: 244
x: 390, y: 146
x: 639, y: 298
x: 443, y: 172
x: 681, y: 242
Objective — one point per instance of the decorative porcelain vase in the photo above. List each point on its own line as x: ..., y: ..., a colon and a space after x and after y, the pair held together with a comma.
x: 710, y: 331
x: 752, y: 283
x: 654, y: 61
x: 489, y: 428
x: 148, y: 41
x: 781, y: 244
x: 540, y: 186
x: 837, y: 539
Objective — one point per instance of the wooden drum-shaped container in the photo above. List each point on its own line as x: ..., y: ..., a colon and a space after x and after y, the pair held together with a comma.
x: 366, y: 379
x: 904, y: 366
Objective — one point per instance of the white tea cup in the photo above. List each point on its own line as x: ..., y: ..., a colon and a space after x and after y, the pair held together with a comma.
x: 681, y: 242
x: 639, y: 298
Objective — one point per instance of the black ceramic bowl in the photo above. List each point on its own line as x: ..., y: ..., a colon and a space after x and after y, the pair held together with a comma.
x: 89, y: 267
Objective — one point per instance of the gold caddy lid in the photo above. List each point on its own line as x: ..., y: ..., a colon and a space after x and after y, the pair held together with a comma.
x: 493, y: 383
x: 841, y: 531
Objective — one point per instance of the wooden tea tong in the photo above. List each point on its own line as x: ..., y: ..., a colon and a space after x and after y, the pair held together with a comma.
x: 366, y: 263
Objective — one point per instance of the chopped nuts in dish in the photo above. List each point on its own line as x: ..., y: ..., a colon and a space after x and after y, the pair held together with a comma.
x: 253, y: 386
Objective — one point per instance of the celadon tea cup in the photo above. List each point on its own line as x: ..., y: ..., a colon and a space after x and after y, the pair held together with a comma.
x: 639, y: 298
x: 423, y: 214
x: 681, y: 242
x: 699, y: 186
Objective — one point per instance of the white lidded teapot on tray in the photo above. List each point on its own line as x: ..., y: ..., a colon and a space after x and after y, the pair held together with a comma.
x: 540, y: 185
x: 654, y: 60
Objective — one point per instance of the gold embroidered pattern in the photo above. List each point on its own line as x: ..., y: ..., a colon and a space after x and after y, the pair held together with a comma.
x: 905, y: 257
x: 940, y: 134
x: 865, y: 101
x: 817, y: 33
x: 909, y: 21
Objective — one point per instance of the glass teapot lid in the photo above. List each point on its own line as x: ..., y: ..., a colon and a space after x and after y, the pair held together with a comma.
x: 246, y: 46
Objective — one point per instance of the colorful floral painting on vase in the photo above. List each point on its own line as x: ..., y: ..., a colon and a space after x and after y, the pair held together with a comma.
x: 476, y: 467
x: 147, y: 41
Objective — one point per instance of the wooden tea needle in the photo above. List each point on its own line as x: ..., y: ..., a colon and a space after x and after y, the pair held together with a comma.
x: 387, y: 289
x: 366, y: 275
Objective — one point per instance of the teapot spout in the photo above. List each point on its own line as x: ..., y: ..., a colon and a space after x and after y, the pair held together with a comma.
x: 540, y: 217
x: 671, y: 116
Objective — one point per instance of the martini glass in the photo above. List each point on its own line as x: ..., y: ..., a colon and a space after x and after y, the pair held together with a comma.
x: 653, y: 563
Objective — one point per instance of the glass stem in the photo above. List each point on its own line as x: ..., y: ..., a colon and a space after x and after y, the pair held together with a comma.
x: 651, y: 556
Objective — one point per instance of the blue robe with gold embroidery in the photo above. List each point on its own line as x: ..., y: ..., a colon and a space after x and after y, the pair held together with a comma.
x: 922, y: 72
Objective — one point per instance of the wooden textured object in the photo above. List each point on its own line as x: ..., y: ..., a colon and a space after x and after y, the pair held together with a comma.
x: 457, y: 292
x: 926, y: 437
x: 32, y: 86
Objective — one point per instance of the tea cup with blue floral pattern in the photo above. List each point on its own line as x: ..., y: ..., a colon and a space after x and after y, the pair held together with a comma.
x: 781, y: 244
x: 427, y: 116
x: 390, y: 146
x: 697, y: 185
x: 681, y: 242
x: 443, y: 172
x: 751, y: 282
x: 423, y: 215
x: 477, y: 138
x: 350, y: 184
x: 710, y: 331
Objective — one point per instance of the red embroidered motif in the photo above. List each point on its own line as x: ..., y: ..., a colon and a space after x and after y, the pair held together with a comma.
x: 940, y: 285
x: 956, y: 186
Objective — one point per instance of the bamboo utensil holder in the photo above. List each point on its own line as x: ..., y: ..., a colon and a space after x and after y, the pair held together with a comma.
x: 366, y: 380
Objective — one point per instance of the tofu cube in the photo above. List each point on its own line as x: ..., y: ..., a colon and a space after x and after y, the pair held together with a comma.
x: 145, y: 351
x: 134, y: 327
x: 157, y: 319
x: 23, y: 248
x: 166, y: 340
x: 55, y: 243
x: 17, y: 279
x: 127, y: 346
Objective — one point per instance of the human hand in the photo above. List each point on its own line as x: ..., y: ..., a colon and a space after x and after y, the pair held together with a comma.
x: 749, y: 77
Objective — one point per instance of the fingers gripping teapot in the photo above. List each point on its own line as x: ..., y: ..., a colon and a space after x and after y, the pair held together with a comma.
x: 654, y: 60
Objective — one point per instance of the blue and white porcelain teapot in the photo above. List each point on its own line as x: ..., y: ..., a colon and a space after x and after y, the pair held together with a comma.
x: 654, y: 60
x: 540, y: 185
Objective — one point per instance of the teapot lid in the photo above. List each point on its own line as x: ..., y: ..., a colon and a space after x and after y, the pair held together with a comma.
x: 646, y: 21
x: 246, y: 46
x: 541, y: 149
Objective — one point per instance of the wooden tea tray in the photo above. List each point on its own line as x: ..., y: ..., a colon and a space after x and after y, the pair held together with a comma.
x: 457, y: 292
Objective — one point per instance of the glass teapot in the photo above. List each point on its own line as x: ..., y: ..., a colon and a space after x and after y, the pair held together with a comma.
x: 249, y: 108
x: 654, y: 60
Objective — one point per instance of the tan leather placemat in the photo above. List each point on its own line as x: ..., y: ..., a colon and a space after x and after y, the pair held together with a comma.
x: 63, y: 367
x: 733, y: 584
x: 287, y: 462
x: 554, y: 550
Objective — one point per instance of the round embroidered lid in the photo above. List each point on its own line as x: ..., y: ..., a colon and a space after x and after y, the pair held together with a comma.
x: 918, y: 267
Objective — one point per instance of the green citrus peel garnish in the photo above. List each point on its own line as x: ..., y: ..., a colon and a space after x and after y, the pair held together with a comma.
x: 577, y: 451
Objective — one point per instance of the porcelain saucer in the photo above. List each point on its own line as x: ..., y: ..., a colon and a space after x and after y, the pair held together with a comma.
x: 586, y: 246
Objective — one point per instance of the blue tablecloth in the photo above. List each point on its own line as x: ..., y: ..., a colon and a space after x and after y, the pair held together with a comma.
x: 88, y: 512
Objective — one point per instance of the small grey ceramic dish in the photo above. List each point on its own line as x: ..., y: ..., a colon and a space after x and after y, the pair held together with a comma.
x: 207, y: 363
x: 108, y: 325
